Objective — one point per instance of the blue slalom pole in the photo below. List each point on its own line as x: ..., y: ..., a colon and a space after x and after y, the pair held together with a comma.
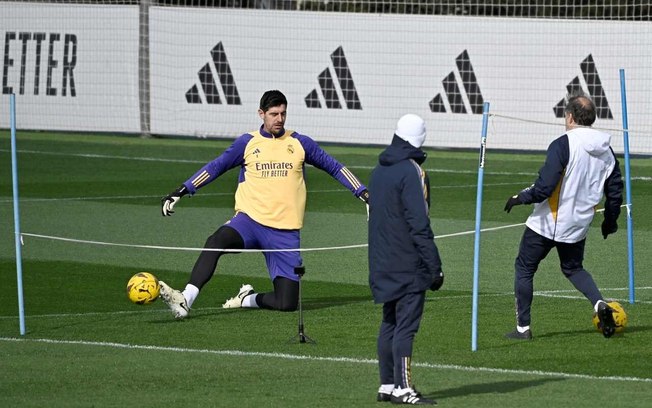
x: 14, y: 179
x: 628, y: 189
x: 478, y: 215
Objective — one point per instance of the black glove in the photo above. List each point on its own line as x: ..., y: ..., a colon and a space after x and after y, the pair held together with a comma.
x: 437, y: 282
x: 609, y: 227
x: 511, y: 202
x: 364, y: 196
x: 168, y: 202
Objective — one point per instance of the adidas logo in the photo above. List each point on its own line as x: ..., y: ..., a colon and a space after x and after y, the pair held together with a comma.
x: 207, y: 83
x: 595, y: 90
x: 329, y: 92
x: 454, y: 93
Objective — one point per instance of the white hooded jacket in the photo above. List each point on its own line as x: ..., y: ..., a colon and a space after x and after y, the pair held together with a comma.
x: 566, y: 214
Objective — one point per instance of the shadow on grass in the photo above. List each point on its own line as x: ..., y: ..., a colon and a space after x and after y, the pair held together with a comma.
x: 628, y: 329
x: 334, y: 301
x: 501, y: 387
x: 508, y: 343
x: 308, y: 304
x: 634, y: 329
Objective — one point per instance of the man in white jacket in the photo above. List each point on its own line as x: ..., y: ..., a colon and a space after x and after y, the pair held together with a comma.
x: 580, y: 169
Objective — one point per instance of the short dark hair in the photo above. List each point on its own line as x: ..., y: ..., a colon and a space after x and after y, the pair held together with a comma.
x: 582, y: 108
x: 272, y: 98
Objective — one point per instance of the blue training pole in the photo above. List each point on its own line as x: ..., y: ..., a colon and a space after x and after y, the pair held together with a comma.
x: 14, y: 179
x: 478, y: 214
x: 628, y: 189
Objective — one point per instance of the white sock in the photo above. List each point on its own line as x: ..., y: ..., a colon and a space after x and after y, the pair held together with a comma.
x: 595, y: 307
x: 386, y: 388
x: 522, y: 329
x: 250, y: 301
x: 398, y: 391
x: 190, y: 293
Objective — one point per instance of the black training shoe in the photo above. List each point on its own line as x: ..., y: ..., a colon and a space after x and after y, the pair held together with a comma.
x: 516, y: 335
x: 383, y: 397
x: 410, y: 396
x: 607, y: 323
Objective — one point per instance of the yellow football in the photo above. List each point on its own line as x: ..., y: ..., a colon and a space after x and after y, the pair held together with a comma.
x: 620, y: 317
x: 143, y: 288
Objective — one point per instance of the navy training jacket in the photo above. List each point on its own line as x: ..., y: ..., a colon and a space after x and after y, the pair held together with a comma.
x: 403, y: 257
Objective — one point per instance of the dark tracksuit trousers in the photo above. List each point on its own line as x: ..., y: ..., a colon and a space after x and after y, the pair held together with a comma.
x: 533, y: 249
x: 401, y: 319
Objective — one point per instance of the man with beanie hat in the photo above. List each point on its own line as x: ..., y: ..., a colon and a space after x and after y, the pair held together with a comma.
x: 403, y: 258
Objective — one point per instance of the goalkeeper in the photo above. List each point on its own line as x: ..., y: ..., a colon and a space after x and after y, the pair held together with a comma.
x: 580, y: 169
x: 269, y: 208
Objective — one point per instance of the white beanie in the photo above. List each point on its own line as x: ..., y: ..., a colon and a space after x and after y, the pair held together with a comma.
x: 412, y: 129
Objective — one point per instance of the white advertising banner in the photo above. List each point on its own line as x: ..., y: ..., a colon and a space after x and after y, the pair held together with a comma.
x: 71, y: 67
x: 349, y: 77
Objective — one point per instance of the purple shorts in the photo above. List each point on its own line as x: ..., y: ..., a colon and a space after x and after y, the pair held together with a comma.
x: 258, y: 236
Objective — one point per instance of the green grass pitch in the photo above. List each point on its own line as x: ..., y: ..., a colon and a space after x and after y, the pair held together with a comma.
x: 87, y: 345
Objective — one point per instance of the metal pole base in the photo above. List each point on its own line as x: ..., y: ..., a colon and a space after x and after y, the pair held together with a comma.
x: 301, y: 337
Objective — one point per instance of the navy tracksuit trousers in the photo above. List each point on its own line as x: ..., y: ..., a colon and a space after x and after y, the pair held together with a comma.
x: 401, y: 319
x: 533, y: 249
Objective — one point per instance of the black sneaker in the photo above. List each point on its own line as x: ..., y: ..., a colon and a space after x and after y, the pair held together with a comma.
x: 384, y: 397
x: 516, y: 335
x: 410, y: 396
x: 607, y: 323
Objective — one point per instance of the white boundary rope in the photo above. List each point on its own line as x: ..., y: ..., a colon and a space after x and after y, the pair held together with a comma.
x: 172, y: 248
x: 539, y: 122
x: 81, y: 241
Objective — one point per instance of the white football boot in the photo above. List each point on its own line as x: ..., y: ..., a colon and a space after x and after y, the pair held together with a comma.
x: 175, y: 301
x: 236, y: 301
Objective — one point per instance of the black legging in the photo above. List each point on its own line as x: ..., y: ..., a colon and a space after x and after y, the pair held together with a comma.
x: 285, y: 296
x: 224, y: 238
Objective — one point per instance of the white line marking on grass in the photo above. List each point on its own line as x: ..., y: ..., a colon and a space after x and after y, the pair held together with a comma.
x: 553, y: 294
x: 558, y: 294
x: 645, y: 302
x: 107, y: 156
x: 116, y: 312
x: 573, y: 290
x: 157, y: 159
x: 90, y: 198
x: 204, y: 194
x: 286, y: 356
